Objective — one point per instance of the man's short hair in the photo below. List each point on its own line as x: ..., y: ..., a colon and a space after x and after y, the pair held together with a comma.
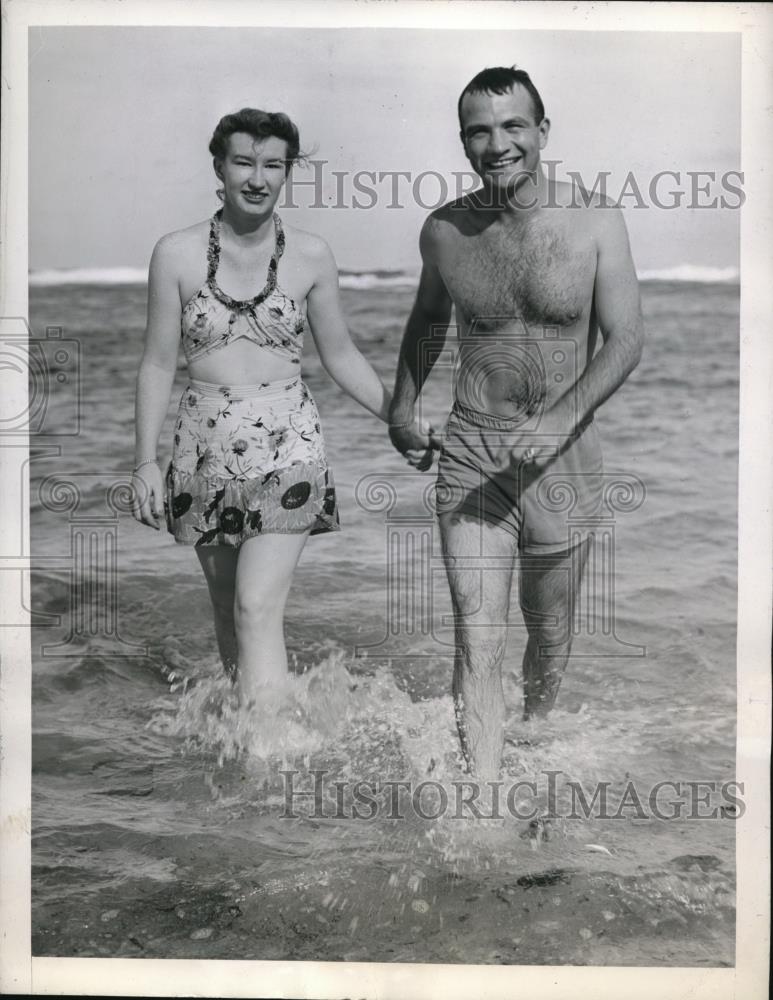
x: 498, y: 80
x: 260, y: 125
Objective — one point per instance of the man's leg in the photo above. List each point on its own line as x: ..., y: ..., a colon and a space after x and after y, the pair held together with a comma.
x: 549, y: 587
x: 479, y: 560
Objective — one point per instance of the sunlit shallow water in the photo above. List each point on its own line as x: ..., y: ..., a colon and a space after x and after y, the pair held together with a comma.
x: 162, y: 825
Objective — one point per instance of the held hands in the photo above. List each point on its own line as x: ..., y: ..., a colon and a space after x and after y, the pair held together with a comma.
x: 416, y: 441
x: 148, y: 498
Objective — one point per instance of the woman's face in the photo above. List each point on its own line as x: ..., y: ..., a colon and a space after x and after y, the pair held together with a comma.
x: 253, y: 172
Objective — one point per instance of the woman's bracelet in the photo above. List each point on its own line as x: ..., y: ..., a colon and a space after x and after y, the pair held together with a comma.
x: 148, y: 461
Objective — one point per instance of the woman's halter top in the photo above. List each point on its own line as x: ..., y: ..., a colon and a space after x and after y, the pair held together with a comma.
x: 211, y: 319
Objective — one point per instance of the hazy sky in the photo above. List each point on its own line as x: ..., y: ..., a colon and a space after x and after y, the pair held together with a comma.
x: 120, y: 120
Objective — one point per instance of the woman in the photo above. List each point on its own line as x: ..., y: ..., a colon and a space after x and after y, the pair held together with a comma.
x: 249, y: 481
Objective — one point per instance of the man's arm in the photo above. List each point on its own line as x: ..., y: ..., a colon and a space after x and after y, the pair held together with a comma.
x: 423, y: 340
x: 618, y: 312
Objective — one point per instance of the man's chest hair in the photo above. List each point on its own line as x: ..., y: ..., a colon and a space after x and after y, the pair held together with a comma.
x: 540, y: 272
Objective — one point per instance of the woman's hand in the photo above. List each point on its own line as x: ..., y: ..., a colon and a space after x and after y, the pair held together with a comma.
x: 148, y: 494
x: 416, y: 441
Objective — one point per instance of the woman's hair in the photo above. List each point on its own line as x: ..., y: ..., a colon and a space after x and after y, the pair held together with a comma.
x: 260, y: 125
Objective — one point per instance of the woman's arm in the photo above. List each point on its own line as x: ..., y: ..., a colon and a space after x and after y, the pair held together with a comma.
x: 338, y: 354
x: 154, y: 379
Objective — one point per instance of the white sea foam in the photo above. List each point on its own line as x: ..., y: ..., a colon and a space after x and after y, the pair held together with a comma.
x: 356, y: 280
x: 89, y: 276
x: 691, y: 272
x: 137, y: 276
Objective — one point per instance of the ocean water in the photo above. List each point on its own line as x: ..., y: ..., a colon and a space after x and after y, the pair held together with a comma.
x: 162, y: 825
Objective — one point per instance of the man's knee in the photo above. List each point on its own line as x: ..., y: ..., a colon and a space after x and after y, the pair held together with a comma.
x: 549, y: 621
x: 547, y: 649
x: 483, y: 648
x: 551, y: 641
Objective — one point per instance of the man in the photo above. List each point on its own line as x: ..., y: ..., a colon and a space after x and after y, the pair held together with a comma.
x: 534, y: 270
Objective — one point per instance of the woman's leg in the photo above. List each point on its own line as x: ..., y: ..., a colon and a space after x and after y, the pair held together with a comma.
x: 219, y: 565
x: 263, y: 576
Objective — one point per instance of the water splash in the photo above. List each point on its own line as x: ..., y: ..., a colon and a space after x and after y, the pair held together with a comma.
x: 366, y: 722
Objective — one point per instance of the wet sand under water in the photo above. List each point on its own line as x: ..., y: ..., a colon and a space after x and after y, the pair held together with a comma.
x: 553, y: 916
x: 181, y: 845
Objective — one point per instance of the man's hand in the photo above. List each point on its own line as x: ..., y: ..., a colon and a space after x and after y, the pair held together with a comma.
x: 416, y: 441
x: 538, y: 447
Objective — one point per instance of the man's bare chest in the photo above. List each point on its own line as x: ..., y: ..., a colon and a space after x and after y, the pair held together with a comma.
x: 542, y: 276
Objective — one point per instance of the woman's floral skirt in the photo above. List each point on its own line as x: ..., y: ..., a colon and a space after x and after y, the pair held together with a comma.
x: 248, y: 460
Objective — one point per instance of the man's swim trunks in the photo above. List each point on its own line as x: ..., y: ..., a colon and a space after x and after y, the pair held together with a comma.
x: 248, y: 460
x: 541, y: 507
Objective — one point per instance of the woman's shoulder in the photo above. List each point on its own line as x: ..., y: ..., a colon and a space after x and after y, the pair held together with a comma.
x: 181, y: 253
x: 309, y: 245
x: 310, y: 254
x: 183, y: 241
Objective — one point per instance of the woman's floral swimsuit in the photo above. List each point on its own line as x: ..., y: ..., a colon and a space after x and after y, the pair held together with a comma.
x: 247, y: 459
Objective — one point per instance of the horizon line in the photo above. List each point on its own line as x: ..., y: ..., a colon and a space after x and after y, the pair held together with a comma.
x: 359, y: 278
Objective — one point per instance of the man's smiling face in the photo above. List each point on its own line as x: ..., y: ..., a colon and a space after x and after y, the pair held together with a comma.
x: 501, y: 138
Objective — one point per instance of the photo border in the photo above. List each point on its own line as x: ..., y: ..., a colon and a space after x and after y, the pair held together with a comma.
x: 21, y: 973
